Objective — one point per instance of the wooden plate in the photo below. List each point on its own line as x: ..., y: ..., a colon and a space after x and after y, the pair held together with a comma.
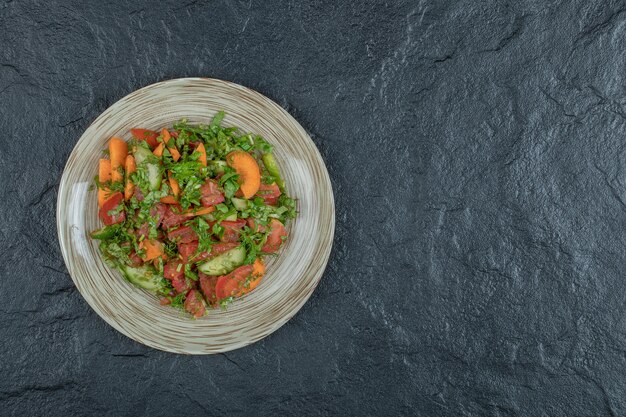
x: 291, y: 277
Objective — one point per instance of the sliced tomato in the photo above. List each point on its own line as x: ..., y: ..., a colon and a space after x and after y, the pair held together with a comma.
x: 275, y: 237
x: 135, y: 260
x: 231, y: 284
x: 181, y: 285
x: 218, y: 248
x: 173, y: 269
x: 158, y: 212
x: 258, y: 227
x: 150, y: 136
x: 194, y: 304
x: 211, y: 194
x: 173, y: 216
x: 207, y: 285
x: 183, y: 234
x: 187, y: 250
x: 232, y: 229
x: 269, y: 193
x: 112, y: 203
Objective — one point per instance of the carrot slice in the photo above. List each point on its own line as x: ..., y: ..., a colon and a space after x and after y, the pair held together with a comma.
x: 258, y: 270
x: 130, y: 167
x: 168, y: 199
x: 248, y: 169
x: 199, y: 212
x: 159, y: 150
x: 170, y: 147
x: 202, y: 151
x: 166, y: 135
x: 174, y: 184
x: 104, y: 175
x: 118, y: 149
x: 153, y: 249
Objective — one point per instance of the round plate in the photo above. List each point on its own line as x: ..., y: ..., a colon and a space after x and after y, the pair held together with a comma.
x: 291, y: 277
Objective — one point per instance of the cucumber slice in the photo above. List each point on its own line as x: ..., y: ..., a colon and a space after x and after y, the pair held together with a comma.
x: 224, y: 263
x: 272, y: 167
x: 231, y: 218
x: 142, y: 156
x: 144, y: 277
x: 218, y: 166
x: 154, y: 176
x: 239, y: 203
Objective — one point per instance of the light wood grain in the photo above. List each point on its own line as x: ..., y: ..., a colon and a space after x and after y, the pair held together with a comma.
x: 291, y: 277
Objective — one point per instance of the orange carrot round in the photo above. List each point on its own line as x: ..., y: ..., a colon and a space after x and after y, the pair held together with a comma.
x: 130, y: 167
x: 173, y: 184
x: 159, y: 150
x: 165, y: 134
x: 118, y: 149
x: 258, y: 270
x: 168, y: 199
x: 153, y: 249
x: 104, y: 175
x: 200, y: 149
x: 249, y: 173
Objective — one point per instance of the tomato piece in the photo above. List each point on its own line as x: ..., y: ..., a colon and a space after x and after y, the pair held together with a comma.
x: 135, y: 260
x: 207, y: 285
x: 181, y: 285
x: 150, y: 136
x: 211, y: 194
x: 187, y: 250
x: 194, y: 304
x: 173, y: 269
x: 269, y: 193
x: 158, y: 212
x: 218, y: 248
x: 232, y: 229
x: 173, y: 216
x: 184, y: 234
x: 112, y: 203
x: 231, y: 284
x: 275, y: 237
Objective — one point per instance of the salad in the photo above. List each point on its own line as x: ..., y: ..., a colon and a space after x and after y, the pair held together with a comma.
x: 191, y: 212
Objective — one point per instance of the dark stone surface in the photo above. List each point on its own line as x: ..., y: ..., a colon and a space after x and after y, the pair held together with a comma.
x: 478, y: 155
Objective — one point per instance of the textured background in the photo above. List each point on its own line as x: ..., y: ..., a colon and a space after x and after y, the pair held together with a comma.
x: 478, y: 156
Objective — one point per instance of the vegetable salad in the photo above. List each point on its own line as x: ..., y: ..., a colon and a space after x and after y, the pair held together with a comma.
x: 191, y: 212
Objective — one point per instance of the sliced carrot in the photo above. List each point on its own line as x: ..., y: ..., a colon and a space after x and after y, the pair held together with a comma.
x: 202, y: 151
x: 199, y: 212
x: 258, y: 270
x: 130, y: 168
x: 248, y: 169
x: 174, y: 184
x: 118, y: 149
x: 159, y: 150
x: 165, y: 134
x: 153, y: 249
x: 168, y: 199
x: 174, y: 152
x: 104, y: 175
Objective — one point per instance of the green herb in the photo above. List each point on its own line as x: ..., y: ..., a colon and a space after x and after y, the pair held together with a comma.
x: 253, y: 241
x: 202, y: 229
x: 261, y: 145
x: 225, y: 301
x: 178, y: 301
x: 189, y: 273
